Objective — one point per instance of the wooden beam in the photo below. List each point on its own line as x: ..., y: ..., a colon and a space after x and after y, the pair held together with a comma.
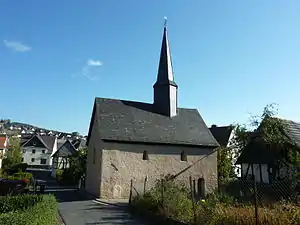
x: 260, y: 173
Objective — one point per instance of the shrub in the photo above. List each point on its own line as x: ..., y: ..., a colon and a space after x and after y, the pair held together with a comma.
x: 70, y: 176
x: 23, y: 176
x: 44, y: 212
x: 216, y: 209
x: 19, y: 202
x: 58, y: 174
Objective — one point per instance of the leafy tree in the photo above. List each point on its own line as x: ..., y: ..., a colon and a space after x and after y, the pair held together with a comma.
x: 75, y: 133
x: 225, y: 167
x: 273, y: 132
x: 77, y: 166
x: 13, y: 155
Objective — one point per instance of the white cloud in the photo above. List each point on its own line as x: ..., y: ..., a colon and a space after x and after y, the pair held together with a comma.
x: 92, y: 62
x: 88, y: 70
x: 17, y: 46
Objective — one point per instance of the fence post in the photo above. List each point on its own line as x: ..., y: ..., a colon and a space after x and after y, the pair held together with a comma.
x: 255, y: 200
x: 145, y: 182
x: 193, y: 198
x: 130, y: 193
x: 162, y: 193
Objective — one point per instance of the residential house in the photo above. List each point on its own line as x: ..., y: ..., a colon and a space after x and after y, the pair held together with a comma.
x: 130, y: 140
x: 79, y: 143
x: 225, y: 137
x: 62, y: 155
x: 3, y: 147
x: 268, y: 162
x: 37, y: 150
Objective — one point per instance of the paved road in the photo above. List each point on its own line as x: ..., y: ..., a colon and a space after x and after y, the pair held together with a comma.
x: 77, y: 209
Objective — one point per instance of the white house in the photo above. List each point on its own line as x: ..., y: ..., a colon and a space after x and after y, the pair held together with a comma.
x: 37, y: 151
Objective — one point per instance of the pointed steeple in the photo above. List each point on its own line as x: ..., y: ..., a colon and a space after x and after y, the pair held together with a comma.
x: 165, y: 88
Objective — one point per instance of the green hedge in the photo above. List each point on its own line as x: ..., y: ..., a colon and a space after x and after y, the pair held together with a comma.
x: 18, y: 202
x: 23, y: 175
x: 42, y: 213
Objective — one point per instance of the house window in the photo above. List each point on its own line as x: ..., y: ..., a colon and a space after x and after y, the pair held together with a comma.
x: 32, y: 159
x: 43, y: 151
x: 183, y: 156
x: 94, y: 157
x: 22, y: 159
x: 24, y: 150
x: 43, y: 161
x: 33, y: 151
x: 145, y: 155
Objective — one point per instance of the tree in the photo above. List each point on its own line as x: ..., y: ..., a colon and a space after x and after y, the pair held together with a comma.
x: 77, y: 166
x: 225, y: 167
x: 75, y: 133
x: 273, y: 132
x: 13, y: 155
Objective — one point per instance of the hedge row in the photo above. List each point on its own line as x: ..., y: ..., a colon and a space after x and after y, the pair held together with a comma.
x: 18, y: 202
x: 42, y: 213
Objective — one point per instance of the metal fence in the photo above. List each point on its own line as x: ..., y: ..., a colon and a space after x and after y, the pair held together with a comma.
x: 236, y: 199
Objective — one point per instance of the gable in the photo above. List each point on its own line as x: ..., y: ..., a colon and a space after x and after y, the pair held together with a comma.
x: 221, y: 134
x: 67, y: 149
x: 121, y: 120
x: 35, y: 142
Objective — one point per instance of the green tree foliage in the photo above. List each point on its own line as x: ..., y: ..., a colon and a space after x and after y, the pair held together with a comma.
x: 13, y: 155
x: 77, y: 167
x: 225, y: 167
x: 75, y: 133
x: 272, y: 130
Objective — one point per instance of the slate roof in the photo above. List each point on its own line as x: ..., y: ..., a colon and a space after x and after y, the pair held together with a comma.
x: 292, y: 130
x: 79, y: 143
x: 221, y: 134
x: 65, y: 150
x: 48, y: 140
x: 122, y: 120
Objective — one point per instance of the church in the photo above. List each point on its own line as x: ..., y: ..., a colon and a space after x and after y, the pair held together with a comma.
x: 130, y: 140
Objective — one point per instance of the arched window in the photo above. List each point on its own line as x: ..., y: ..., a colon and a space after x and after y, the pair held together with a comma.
x: 145, y: 155
x: 183, y: 156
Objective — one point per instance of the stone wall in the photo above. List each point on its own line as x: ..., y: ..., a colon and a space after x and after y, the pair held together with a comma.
x: 93, y: 166
x: 123, y: 162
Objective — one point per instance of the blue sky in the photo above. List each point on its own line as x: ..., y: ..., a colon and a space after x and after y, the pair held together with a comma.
x: 230, y: 58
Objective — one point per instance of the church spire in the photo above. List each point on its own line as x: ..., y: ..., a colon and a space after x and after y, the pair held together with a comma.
x: 165, y: 88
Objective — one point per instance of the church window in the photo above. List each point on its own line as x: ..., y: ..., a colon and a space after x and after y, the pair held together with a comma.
x: 145, y: 155
x: 183, y: 156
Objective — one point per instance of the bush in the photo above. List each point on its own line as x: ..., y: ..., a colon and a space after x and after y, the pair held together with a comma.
x: 19, y: 202
x: 24, y: 176
x: 69, y: 176
x: 20, y: 167
x: 44, y: 212
x: 58, y: 175
x: 216, y: 209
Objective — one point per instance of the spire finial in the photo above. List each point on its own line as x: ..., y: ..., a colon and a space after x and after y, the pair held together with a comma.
x: 166, y: 20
